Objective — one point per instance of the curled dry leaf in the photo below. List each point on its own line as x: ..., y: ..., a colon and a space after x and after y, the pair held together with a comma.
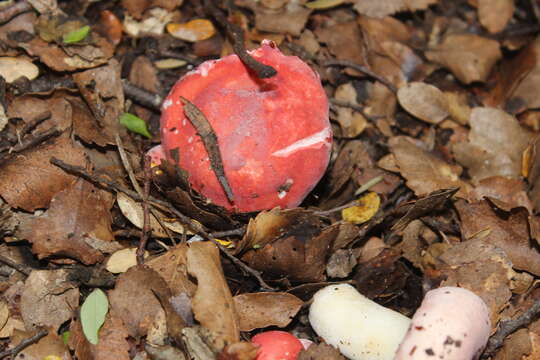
x: 121, y: 260
x: 12, y: 68
x: 192, y: 31
x: 133, y: 211
x: 494, y: 15
x: 31, y: 181
x: 508, y: 231
x: 140, y: 316
x: 70, y: 58
x: 48, y: 299
x: 112, y: 343
x: 424, y: 171
x: 76, y: 225
x: 380, y: 9
x: 482, y: 268
x: 260, y: 310
x: 172, y: 267
x: 495, y: 147
x: 511, y: 191
x: 50, y: 346
x: 291, y: 243
x: 424, y: 101
x: 213, y: 305
x: 469, y: 57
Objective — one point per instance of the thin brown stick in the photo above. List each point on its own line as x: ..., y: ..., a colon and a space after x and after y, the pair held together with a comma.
x: 164, y: 206
x: 362, y: 69
x: 146, y: 212
x: 35, y: 122
x: 11, y: 11
x: 142, y: 96
x: 237, y: 36
x: 508, y: 327
x: 23, y: 344
x: 234, y: 232
x: 210, y: 141
x: 23, y: 269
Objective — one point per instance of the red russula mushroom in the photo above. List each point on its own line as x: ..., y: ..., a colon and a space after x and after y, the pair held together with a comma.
x: 277, y: 345
x: 273, y: 134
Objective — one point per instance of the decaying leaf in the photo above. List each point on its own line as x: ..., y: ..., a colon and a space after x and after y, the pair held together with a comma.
x: 112, y: 343
x: 321, y: 351
x: 294, y: 245
x: 48, y: 299
x: 121, y: 260
x: 30, y: 182
x: 213, y: 305
x: 4, y: 313
x: 425, y: 172
x: 172, y: 266
x: 192, y: 31
x: 140, y: 316
x: 482, y: 267
x: 50, y: 346
x: 133, y: 211
x: 260, y: 310
x: 13, y: 68
x: 424, y: 101
x: 495, y: 147
x: 509, y: 232
x: 77, y: 225
x: 367, y: 207
x: 290, y: 19
x: 352, y: 122
x: 469, y: 57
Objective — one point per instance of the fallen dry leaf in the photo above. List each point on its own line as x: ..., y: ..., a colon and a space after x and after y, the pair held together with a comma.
x: 102, y: 90
x: 367, y: 207
x: 111, y: 26
x: 30, y: 182
x: 321, y: 351
x: 4, y: 313
x: 242, y: 350
x: 13, y: 68
x: 50, y: 346
x: 260, y: 310
x: 425, y: 172
x: 534, y: 174
x: 192, y: 31
x: 213, y: 305
x: 134, y: 301
x: 344, y: 41
x: 352, y: 122
x: 121, y: 260
x: 382, y: 8
x: 77, y: 225
x: 511, y: 191
x: 469, y: 57
x: 112, y: 342
x: 424, y: 101
x: 494, y: 15
x: 48, y: 299
x: 510, y: 233
x: 495, y: 147
x: 483, y: 268
x: 172, y: 266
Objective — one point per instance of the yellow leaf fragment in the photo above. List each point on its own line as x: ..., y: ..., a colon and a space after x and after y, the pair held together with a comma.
x: 368, y: 206
x: 323, y: 4
x: 193, y: 31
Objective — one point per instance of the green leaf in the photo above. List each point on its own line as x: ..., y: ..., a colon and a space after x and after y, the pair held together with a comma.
x: 76, y: 35
x: 93, y: 312
x: 135, y: 124
x: 65, y: 337
x: 324, y: 4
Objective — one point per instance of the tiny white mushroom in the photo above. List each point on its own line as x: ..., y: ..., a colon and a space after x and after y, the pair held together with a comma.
x: 360, y: 328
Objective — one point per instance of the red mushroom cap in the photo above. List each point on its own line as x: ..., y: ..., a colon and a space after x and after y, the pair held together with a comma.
x: 277, y: 345
x: 274, y: 134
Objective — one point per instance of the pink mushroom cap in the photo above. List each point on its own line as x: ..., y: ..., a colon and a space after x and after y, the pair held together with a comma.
x: 274, y: 134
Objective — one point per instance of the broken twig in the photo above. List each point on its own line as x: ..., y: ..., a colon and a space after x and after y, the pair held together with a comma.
x: 23, y: 344
x: 210, y: 141
x: 237, y: 35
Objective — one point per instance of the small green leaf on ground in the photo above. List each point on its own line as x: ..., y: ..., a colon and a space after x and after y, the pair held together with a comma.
x: 135, y: 124
x: 93, y: 312
x: 324, y: 4
x: 76, y: 35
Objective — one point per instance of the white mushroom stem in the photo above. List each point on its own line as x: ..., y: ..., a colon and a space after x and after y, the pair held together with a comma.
x: 451, y: 324
x: 360, y: 328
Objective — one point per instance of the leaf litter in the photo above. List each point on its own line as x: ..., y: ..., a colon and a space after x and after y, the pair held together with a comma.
x: 434, y: 114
